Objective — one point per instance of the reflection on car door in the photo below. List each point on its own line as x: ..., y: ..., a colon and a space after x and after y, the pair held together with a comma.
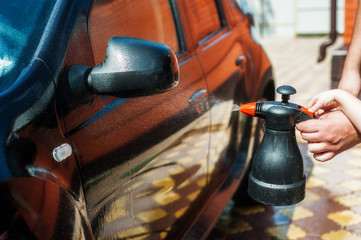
x: 218, y: 50
x: 143, y: 161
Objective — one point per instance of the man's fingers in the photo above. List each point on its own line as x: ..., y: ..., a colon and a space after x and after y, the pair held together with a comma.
x: 311, y: 137
x: 325, y: 156
x: 329, y: 135
x: 309, y: 126
x: 318, y: 147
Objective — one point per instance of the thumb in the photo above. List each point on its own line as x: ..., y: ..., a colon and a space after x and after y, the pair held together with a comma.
x: 314, y: 108
x: 314, y: 104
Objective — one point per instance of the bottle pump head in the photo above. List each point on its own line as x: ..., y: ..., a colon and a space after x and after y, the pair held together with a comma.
x: 277, y: 177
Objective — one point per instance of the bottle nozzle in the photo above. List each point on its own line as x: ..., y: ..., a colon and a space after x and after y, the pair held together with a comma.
x: 249, y: 108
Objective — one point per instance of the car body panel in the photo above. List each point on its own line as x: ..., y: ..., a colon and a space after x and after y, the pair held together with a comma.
x: 145, y: 167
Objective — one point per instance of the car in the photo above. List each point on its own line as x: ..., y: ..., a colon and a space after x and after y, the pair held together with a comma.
x: 117, y: 116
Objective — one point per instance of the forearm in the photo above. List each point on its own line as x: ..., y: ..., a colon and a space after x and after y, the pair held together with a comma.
x: 350, y: 80
x: 351, y: 106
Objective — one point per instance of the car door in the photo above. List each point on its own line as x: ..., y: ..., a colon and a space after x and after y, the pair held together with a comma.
x: 222, y: 58
x: 143, y: 161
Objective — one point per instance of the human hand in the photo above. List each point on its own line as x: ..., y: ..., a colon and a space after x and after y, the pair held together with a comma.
x: 329, y: 135
x: 326, y: 100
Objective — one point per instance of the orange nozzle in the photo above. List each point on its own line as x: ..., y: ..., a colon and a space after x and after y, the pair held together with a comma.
x: 303, y: 109
x: 249, y: 108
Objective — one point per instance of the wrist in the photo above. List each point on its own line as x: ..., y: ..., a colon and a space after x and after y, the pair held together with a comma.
x: 350, y: 81
x: 344, y: 99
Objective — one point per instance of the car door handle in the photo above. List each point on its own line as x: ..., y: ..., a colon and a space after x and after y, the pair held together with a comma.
x: 199, y: 101
x: 240, y: 61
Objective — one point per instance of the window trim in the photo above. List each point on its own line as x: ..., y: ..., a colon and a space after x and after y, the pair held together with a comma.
x: 183, y: 48
x: 221, y: 13
x: 222, y: 20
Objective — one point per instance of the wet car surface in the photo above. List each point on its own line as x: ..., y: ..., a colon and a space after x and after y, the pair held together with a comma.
x: 119, y: 122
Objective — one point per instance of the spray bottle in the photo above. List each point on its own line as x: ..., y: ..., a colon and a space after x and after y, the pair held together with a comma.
x: 277, y: 176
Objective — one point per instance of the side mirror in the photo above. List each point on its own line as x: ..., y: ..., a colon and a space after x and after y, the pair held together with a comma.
x: 132, y: 68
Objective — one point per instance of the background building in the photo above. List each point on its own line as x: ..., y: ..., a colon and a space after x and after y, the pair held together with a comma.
x: 291, y: 18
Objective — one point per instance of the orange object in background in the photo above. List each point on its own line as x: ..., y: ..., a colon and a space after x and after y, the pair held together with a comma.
x: 350, y: 15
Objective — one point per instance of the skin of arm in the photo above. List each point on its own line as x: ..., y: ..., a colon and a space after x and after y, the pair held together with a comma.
x: 333, y: 132
x: 350, y: 80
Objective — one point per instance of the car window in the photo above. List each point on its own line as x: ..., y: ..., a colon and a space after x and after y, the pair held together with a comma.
x: 146, y: 19
x: 204, y: 16
x: 22, y: 24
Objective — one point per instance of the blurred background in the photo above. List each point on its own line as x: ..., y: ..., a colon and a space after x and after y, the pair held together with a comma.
x: 324, y: 25
x: 292, y: 18
x: 304, y: 34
